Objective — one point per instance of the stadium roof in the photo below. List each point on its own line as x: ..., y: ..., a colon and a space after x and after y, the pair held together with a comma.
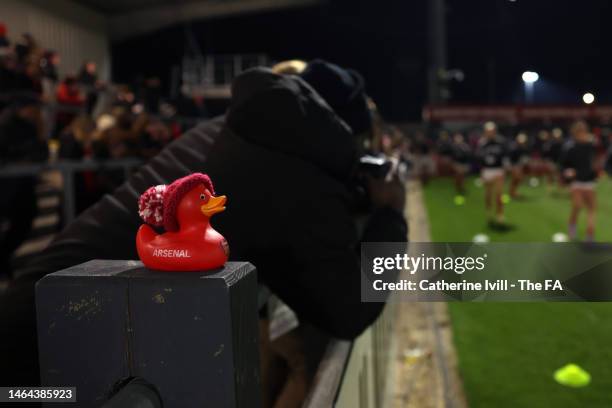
x: 133, y: 17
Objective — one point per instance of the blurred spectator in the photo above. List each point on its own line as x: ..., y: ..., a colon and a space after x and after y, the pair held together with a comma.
x: 5, y: 44
x: 70, y: 99
x: 151, y: 95
x: 49, y: 75
x: 15, y: 83
x: 190, y: 106
x: 19, y: 67
x: 76, y: 138
x: 68, y: 92
x: 20, y: 141
x: 21, y: 138
x: 76, y: 143
x: 49, y: 64
x: 33, y: 79
x: 124, y: 138
x: 88, y: 80
x: 8, y: 79
x: 28, y: 69
x: 124, y: 97
x: 156, y: 136
x: 24, y: 49
x: 88, y: 75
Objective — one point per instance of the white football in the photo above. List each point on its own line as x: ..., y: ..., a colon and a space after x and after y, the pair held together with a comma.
x: 481, y: 239
x: 560, y: 237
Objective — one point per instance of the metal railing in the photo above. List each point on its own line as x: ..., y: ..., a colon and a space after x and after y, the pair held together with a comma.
x: 68, y: 169
x: 355, y: 374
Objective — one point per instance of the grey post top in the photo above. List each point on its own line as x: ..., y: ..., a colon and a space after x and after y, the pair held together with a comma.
x: 192, y: 335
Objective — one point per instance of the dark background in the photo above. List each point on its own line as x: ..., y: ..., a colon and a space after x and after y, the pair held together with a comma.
x: 491, y: 41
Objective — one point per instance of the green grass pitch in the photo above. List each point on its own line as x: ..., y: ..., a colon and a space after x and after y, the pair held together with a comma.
x: 509, y: 351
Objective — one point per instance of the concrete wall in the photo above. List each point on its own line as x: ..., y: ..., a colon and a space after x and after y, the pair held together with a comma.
x: 77, y: 33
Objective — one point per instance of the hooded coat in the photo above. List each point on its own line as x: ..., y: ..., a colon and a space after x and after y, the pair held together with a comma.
x: 285, y: 161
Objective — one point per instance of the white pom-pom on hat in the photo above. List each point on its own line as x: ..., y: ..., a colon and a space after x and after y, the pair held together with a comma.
x: 151, y: 205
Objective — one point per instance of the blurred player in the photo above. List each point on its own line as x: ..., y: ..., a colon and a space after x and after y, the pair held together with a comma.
x: 519, y: 157
x: 462, y: 156
x: 556, y: 148
x: 493, y: 157
x: 608, y: 161
x: 424, y: 165
x: 545, y: 165
x: 578, y: 168
x: 444, y: 148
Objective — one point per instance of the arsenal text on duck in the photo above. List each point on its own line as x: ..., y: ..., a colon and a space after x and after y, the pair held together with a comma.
x: 171, y: 253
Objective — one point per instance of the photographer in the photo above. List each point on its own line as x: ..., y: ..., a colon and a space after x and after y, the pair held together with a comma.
x: 344, y: 91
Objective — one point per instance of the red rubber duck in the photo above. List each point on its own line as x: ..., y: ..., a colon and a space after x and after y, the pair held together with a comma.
x: 183, y: 209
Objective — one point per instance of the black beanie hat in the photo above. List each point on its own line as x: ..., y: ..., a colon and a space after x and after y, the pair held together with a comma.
x: 343, y: 90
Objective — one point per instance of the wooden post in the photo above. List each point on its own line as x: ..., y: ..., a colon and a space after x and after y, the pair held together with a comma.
x: 193, y: 335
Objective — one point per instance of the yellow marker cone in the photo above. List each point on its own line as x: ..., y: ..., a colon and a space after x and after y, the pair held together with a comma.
x: 572, y: 375
x: 459, y: 200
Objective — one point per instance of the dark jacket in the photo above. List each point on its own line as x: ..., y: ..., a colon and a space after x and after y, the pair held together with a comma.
x: 580, y: 156
x: 608, y: 162
x: 492, y: 152
x: 284, y: 160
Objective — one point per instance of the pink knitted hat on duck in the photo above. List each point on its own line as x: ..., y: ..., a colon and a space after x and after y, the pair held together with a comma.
x: 157, y: 206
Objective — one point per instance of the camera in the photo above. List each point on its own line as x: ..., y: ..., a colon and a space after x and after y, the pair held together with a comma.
x: 375, y: 166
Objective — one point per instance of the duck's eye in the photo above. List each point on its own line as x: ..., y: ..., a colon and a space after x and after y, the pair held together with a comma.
x: 202, y: 196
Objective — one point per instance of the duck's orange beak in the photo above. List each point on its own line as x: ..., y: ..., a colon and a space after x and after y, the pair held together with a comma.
x: 214, y: 205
